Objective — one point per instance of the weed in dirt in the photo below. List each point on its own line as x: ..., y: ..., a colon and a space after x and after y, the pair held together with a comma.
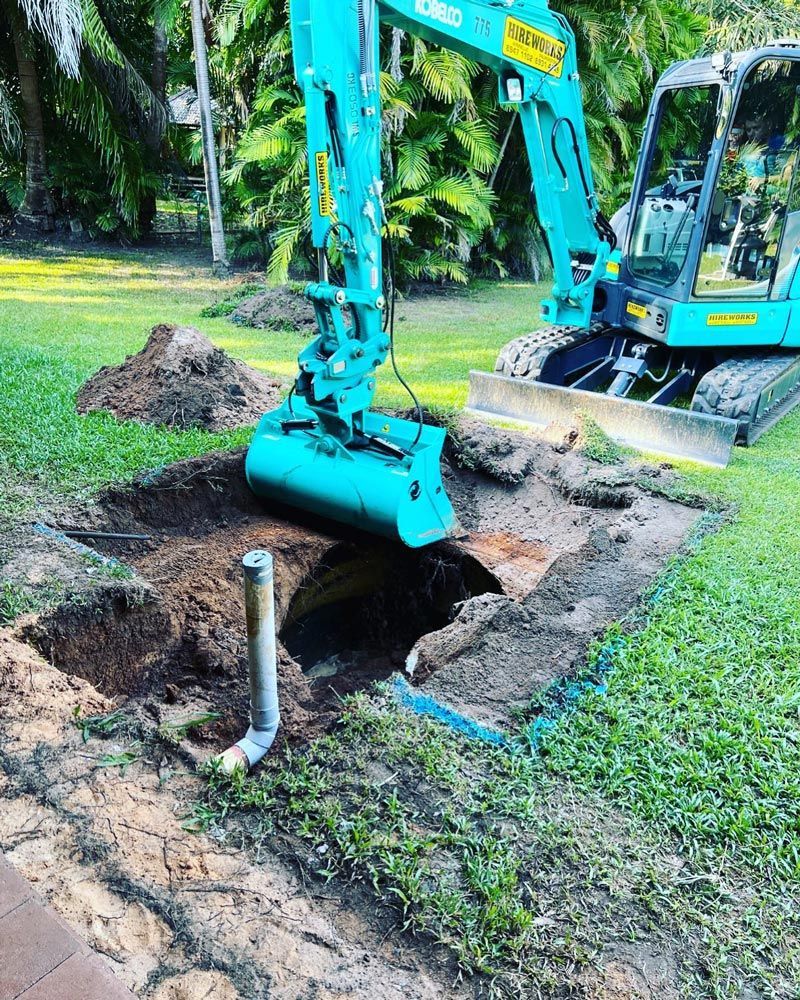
x: 122, y: 760
x: 15, y: 601
x: 683, y: 490
x: 595, y: 444
x: 177, y: 730
x: 111, y: 569
x: 102, y: 726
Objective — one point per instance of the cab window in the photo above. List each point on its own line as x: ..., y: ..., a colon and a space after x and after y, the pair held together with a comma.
x: 666, y: 213
x: 754, y: 223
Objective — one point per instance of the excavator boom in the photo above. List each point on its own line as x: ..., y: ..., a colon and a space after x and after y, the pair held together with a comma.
x: 324, y: 449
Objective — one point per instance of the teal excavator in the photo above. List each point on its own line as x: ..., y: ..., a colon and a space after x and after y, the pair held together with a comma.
x: 675, y: 325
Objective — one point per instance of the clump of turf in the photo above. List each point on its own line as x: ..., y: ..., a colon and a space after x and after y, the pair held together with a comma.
x: 593, y: 442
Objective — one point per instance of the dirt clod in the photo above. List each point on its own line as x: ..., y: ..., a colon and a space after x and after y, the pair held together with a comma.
x: 503, y: 456
x: 585, y: 482
x: 476, y: 618
x: 277, y: 309
x: 509, y: 457
x: 179, y: 379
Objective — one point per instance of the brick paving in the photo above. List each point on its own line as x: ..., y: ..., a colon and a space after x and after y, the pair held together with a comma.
x: 40, y: 957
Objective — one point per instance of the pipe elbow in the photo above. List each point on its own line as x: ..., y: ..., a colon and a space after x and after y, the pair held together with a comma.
x: 248, y: 751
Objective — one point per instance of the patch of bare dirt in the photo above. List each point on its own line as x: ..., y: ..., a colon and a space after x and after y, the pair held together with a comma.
x: 177, y: 914
x: 179, y: 379
x: 280, y: 309
x: 34, y: 695
x: 635, y: 972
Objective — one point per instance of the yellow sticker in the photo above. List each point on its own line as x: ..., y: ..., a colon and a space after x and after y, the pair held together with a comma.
x: 612, y: 267
x: 635, y: 309
x: 323, y: 184
x: 532, y: 47
x: 732, y: 319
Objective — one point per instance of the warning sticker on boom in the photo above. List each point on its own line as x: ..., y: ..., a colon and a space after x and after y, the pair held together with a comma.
x: 323, y: 184
x: 532, y: 47
x: 732, y: 319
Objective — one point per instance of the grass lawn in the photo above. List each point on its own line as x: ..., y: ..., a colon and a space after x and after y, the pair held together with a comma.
x: 662, y: 812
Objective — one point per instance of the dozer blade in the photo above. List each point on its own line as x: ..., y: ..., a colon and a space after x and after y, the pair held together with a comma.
x: 398, y: 496
x: 645, y: 426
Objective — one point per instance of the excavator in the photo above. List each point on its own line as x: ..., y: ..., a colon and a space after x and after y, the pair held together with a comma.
x: 675, y: 325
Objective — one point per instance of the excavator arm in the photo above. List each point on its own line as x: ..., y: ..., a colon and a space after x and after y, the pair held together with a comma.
x: 327, y: 416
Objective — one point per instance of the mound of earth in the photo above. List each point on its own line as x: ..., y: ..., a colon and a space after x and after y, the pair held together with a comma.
x: 277, y: 309
x: 179, y: 379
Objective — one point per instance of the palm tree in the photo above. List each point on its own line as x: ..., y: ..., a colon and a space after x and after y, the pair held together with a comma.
x: 78, y: 76
x: 742, y: 24
x: 37, y: 205
x: 156, y: 124
x: 60, y: 24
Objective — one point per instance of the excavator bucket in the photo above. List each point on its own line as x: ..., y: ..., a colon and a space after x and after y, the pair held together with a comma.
x: 389, y: 484
x: 665, y: 430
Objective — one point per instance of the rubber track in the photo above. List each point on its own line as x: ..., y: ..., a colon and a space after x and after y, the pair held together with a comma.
x: 525, y: 356
x: 733, y: 388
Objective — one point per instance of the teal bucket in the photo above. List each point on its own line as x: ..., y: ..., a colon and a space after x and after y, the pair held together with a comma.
x: 398, y: 497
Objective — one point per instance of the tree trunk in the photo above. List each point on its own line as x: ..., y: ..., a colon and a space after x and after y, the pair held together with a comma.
x: 502, y: 152
x: 37, y: 206
x: 155, y: 131
x: 213, y: 196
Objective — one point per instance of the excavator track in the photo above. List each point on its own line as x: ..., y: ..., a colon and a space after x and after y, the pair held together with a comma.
x: 525, y: 356
x: 755, y: 390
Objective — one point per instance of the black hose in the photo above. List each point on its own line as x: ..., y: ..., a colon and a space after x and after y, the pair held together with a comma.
x: 400, y: 379
x: 601, y: 223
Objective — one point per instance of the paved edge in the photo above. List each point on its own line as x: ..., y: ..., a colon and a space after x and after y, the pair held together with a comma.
x: 41, y: 957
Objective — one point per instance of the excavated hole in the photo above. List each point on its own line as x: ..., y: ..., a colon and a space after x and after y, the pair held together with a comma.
x: 360, y: 614
x: 348, y: 609
x: 352, y: 620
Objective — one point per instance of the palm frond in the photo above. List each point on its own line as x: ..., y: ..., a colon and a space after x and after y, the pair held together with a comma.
x: 60, y: 23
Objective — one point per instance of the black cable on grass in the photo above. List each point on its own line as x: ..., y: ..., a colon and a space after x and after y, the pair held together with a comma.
x: 400, y: 379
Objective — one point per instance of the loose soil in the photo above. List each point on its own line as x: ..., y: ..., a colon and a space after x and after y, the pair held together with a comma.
x: 179, y: 379
x: 557, y: 547
x: 279, y: 308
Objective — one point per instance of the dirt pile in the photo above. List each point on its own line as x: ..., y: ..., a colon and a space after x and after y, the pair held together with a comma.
x: 179, y: 379
x: 279, y: 309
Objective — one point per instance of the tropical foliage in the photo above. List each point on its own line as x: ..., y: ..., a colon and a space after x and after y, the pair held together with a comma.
x: 84, y: 133
x: 458, y: 184
x: 77, y: 111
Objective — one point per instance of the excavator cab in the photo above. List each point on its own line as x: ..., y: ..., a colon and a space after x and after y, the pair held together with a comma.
x: 735, y: 155
x: 694, y: 344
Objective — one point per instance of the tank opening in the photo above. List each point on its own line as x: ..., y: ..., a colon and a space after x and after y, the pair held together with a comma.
x: 356, y: 619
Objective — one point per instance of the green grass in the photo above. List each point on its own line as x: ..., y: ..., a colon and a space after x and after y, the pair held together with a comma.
x: 665, y: 810
x: 700, y: 726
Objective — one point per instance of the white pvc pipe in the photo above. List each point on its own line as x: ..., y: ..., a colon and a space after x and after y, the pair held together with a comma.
x: 259, y: 600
